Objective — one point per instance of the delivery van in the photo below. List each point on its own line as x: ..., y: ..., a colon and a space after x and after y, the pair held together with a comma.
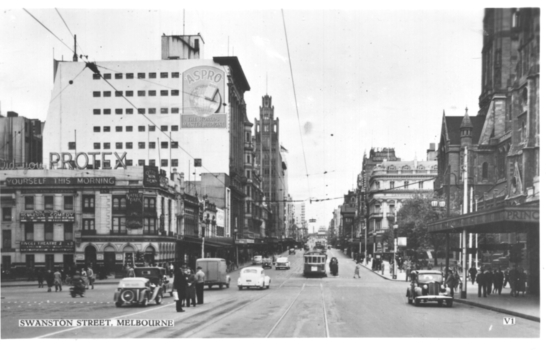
x: 215, y: 270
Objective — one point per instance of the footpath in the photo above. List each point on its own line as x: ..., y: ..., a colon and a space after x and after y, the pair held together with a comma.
x: 527, y: 307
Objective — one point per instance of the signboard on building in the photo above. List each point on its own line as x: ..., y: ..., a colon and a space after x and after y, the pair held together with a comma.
x: 46, y: 216
x: 151, y: 176
x: 203, y: 93
x: 60, y: 181
x: 46, y: 246
x: 402, y: 241
x: 134, y: 209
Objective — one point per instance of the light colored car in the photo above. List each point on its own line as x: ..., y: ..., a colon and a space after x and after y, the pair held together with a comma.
x: 257, y: 260
x: 253, y: 277
x: 282, y: 263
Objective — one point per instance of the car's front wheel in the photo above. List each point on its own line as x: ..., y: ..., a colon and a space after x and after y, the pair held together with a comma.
x: 449, y: 303
x: 159, y: 299
x: 416, y: 302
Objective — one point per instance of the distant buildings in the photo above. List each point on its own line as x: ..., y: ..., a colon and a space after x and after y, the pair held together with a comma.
x: 20, y: 142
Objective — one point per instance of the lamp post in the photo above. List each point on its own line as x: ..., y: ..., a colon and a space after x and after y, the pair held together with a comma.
x: 395, y: 241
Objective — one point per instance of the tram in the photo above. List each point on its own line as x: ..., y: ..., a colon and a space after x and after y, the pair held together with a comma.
x: 314, y: 263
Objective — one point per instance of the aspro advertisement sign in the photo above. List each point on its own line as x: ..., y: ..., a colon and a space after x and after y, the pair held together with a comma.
x: 204, y: 101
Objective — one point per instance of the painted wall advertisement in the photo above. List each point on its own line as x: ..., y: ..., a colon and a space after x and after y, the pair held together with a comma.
x: 203, y: 91
x: 47, y: 246
x: 151, y: 176
x: 134, y: 210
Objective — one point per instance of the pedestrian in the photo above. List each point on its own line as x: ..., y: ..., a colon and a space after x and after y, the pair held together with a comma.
x: 499, y: 278
x: 63, y: 276
x: 85, y: 278
x: 522, y: 281
x: 457, y: 279
x: 506, y: 273
x: 179, y: 285
x: 451, y: 282
x: 130, y: 271
x: 488, y: 281
x: 357, y: 271
x: 199, y: 284
x: 472, y: 271
x: 40, y: 277
x: 171, y: 270
x: 512, y: 278
x: 190, y: 291
x: 49, y: 280
x: 480, y: 279
x: 91, y: 277
x: 58, y: 281
x: 383, y: 266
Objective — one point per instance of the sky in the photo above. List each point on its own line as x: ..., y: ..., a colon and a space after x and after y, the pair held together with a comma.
x: 363, y: 77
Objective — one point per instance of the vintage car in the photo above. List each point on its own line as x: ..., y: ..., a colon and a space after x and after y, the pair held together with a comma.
x: 257, y: 260
x: 282, y: 263
x: 267, y: 263
x: 292, y: 251
x: 253, y: 277
x: 426, y: 285
x: 147, y: 286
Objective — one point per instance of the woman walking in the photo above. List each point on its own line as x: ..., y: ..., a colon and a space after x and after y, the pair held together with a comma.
x: 190, y: 291
x: 49, y: 280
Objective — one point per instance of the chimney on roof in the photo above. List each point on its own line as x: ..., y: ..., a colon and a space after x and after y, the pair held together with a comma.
x: 432, y: 154
x: 75, y: 57
x: 181, y: 47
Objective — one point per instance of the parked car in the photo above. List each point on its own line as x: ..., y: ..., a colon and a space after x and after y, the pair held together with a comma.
x: 215, y: 270
x: 292, y: 251
x: 253, y: 277
x: 282, y: 263
x: 257, y: 260
x: 146, y: 287
x: 426, y: 285
x: 267, y: 262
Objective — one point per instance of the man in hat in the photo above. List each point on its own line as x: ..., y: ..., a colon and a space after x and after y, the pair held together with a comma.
x: 199, y: 284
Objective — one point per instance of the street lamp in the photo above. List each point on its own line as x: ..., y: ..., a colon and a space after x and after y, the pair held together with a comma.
x: 395, y: 241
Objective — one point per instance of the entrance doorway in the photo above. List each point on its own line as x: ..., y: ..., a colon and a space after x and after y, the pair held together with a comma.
x: 149, y: 256
x: 109, y: 259
x: 90, y: 256
x: 68, y: 262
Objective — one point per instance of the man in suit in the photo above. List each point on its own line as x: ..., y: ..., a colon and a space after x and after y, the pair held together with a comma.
x: 180, y: 284
x: 480, y: 279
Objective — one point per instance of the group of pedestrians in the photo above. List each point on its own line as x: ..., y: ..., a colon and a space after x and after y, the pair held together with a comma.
x: 58, y: 277
x: 492, y: 282
x: 188, y: 287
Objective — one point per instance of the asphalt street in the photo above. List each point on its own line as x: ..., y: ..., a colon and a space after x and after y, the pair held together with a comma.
x: 294, y: 306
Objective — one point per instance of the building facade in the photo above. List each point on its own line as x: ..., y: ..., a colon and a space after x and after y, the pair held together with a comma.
x: 20, y: 142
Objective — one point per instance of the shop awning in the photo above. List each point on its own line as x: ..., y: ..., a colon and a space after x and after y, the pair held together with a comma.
x: 213, y: 242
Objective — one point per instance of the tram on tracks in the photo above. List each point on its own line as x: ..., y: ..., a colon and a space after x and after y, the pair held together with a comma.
x: 314, y: 263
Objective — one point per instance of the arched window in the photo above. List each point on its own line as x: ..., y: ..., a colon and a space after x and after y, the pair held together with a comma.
x: 406, y: 169
x: 421, y: 169
x: 485, y: 171
x: 392, y: 169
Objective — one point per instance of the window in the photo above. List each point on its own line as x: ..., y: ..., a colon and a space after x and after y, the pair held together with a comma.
x: 151, y: 145
x: 96, y: 129
x: 164, y: 128
x: 141, y: 110
x: 406, y: 169
x: 107, y: 111
x: 118, y: 75
x: 29, y: 203
x: 129, y: 93
x: 96, y: 93
x: 152, y: 162
x: 68, y: 231
x: 96, y: 145
x: 128, y: 111
x: 129, y: 76
x: 119, y: 202
x: 174, y: 144
x: 29, y: 231
x: 106, y: 129
x: 421, y: 185
x: 119, y: 145
x: 119, y: 128
x: 129, y: 128
x: 174, y: 162
x: 96, y: 76
x: 174, y: 127
x: 118, y: 94
x: 118, y: 225
x: 72, y: 145
x: 151, y: 127
x: 406, y: 185
x: 129, y: 162
x: 142, y: 145
x: 149, y: 203
x: 88, y: 224
x: 485, y: 171
x: 175, y: 110
x: 141, y: 93
x: 175, y: 75
x: 96, y: 111
x: 141, y: 75
x: 149, y: 225
x: 377, y: 185
x: 152, y: 75
x: 68, y: 203
x: 48, y: 202
x: 6, y: 214
x: 119, y: 110
x: 141, y: 162
x: 97, y: 164
x: 175, y: 92
x: 164, y: 110
x: 6, y: 239
x: 151, y: 110
x: 392, y: 184
x: 141, y: 128
x: 151, y: 93
x: 164, y: 145
x: 164, y: 75
x: 107, y: 76
x: 164, y: 162
x: 164, y: 92
x: 48, y: 231
x: 248, y: 174
x: 88, y: 203
x: 128, y: 145
x: 107, y: 94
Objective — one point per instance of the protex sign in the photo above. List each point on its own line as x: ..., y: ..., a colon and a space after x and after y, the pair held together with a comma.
x: 203, y: 105
x: 83, y: 160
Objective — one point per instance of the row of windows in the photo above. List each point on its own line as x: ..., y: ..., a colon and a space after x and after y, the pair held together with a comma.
x: 128, y: 145
x: 141, y: 128
x: 152, y: 75
x: 48, y: 231
x: 141, y: 162
x: 68, y: 203
x: 140, y: 93
x: 108, y: 111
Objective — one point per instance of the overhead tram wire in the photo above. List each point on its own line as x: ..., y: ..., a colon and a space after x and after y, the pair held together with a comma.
x: 70, y: 83
x: 37, y: 20
x: 296, y: 100
x: 77, y: 43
